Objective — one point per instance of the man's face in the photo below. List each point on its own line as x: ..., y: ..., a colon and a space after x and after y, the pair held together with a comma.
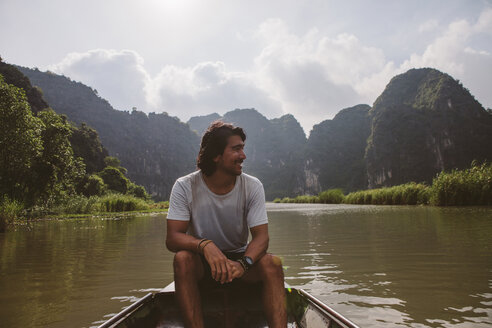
x: 231, y: 160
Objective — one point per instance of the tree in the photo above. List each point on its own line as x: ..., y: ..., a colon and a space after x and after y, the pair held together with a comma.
x: 138, y: 191
x: 37, y: 165
x: 86, y: 144
x: 56, y: 171
x: 114, y: 179
x: 111, y: 161
x: 21, y: 143
x: 93, y: 186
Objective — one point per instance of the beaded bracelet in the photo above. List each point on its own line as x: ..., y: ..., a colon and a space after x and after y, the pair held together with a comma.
x: 198, y: 248
x: 205, y: 244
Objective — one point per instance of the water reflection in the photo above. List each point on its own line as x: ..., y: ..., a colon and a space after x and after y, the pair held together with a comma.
x: 391, y: 266
x: 379, y: 266
x: 64, y: 273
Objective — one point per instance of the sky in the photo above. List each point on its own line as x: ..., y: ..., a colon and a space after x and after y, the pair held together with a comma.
x: 196, y: 57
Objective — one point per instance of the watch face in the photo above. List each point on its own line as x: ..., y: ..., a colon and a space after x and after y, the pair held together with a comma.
x: 248, y: 260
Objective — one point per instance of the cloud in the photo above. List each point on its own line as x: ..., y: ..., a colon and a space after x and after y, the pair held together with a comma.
x: 452, y: 53
x: 119, y: 76
x: 449, y: 52
x: 428, y: 26
x: 314, y: 76
x: 311, y: 75
x: 206, y: 88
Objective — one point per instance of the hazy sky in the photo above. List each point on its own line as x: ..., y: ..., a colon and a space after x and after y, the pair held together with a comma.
x: 195, y: 57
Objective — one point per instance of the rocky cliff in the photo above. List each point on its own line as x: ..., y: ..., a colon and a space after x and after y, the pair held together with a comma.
x: 425, y: 122
x: 335, y: 151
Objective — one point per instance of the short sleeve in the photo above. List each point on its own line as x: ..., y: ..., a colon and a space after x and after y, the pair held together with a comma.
x: 257, y: 214
x: 178, y: 203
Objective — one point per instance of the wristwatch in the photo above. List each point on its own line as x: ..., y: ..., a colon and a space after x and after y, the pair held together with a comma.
x: 246, y: 262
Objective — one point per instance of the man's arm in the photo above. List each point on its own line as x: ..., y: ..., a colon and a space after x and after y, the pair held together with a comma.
x: 256, y: 249
x: 259, y: 242
x: 177, y: 240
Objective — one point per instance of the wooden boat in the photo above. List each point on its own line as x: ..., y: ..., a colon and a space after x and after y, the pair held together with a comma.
x: 236, y: 306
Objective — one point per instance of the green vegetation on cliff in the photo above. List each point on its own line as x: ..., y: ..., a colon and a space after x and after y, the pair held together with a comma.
x: 40, y: 172
x: 155, y: 148
x: 423, y: 123
x: 335, y: 149
x: 37, y: 165
x: 14, y: 77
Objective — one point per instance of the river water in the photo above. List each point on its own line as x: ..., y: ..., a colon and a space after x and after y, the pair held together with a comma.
x: 380, y: 266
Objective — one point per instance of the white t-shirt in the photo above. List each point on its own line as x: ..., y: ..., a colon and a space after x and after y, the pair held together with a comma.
x: 224, y: 219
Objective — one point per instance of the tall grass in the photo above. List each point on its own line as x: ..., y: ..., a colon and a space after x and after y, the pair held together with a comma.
x: 79, y: 204
x: 121, y: 203
x: 9, y: 211
x: 472, y: 186
x: 298, y: 199
x: 465, y: 187
x: 331, y: 196
x: 407, y: 194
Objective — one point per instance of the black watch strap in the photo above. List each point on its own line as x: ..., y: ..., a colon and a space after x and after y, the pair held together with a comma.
x: 243, y: 264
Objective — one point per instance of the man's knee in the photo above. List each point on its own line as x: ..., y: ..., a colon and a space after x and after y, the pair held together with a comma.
x: 271, y: 266
x: 184, y: 263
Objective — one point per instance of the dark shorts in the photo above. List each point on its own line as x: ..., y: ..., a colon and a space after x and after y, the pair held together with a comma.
x: 207, y: 271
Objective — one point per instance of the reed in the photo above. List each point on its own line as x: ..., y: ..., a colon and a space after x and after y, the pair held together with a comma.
x: 78, y: 204
x: 463, y: 187
x: 159, y: 206
x: 9, y: 211
x: 331, y: 196
x: 407, y: 194
x: 121, y: 203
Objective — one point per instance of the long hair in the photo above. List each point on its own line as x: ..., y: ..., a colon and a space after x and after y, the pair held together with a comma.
x: 213, y: 144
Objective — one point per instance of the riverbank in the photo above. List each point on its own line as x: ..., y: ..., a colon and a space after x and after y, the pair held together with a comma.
x: 77, y: 206
x: 455, y: 188
x: 103, y: 215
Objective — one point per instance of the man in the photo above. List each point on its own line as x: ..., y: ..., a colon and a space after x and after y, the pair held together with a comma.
x: 210, y: 212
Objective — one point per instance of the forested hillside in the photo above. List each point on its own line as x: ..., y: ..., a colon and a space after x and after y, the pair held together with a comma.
x: 156, y: 148
x: 425, y: 122
x: 335, y: 150
x: 45, y: 161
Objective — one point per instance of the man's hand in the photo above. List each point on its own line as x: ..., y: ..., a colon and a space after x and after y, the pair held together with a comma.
x: 237, y: 270
x: 219, y: 264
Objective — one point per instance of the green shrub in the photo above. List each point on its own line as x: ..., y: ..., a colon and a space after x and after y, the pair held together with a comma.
x: 9, y: 211
x: 121, y: 203
x: 407, y: 194
x: 159, y: 205
x: 94, y: 186
x: 463, y: 187
x: 114, y: 179
x: 138, y: 191
x: 78, y: 204
x: 331, y: 196
x: 305, y: 199
x: 459, y: 187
